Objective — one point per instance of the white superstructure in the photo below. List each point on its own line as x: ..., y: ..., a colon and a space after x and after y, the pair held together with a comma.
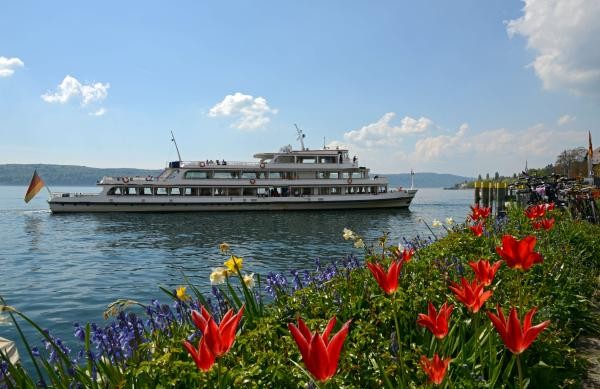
x: 287, y: 180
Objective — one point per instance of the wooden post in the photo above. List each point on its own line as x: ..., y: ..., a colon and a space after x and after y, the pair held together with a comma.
x: 485, y: 194
x: 477, y: 193
x: 501, y: 198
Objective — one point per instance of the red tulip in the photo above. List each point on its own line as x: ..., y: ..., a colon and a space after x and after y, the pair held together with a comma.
x: 436, y: 322
x: 549, y: 206
x: 484, y: 271
x: 546, y: 224
x: 219, y: 339
x: 435, y: 368
x: 320, y: 355
x: 478, y: 213
x: 405, y: 255
x: 387, y: 281
x: 203, y: 357
x: 516, y: 338
x: 535, y: 211
x: 471, y: 294
x: 519, y: 254
x: 477, y: 229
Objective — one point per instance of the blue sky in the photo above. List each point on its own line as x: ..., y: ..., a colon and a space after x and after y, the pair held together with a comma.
x: 462, y: 87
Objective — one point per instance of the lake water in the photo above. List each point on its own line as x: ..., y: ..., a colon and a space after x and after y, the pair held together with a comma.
x: 60, y: 269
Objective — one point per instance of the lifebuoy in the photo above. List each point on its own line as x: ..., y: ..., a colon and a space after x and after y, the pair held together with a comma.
x: 125, y: 180
x: 202, y: 164
x: 252, y: 181
x: 349, y: 180
x: 262, y: 165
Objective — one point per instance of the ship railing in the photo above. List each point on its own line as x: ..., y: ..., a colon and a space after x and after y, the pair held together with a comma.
x: 134, y: 179
x: 68, y: 194
x: 212, y: 163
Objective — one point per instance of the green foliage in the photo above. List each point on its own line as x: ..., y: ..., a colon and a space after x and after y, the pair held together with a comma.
x: 265, y: 355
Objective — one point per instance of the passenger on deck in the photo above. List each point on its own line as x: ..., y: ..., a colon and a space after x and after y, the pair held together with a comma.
x: 218, y: 163
x: 223, y: 163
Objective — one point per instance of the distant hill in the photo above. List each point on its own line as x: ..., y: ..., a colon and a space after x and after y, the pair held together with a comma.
x: 72, y: 175
x: 65, y: 175
x: 426, y: 180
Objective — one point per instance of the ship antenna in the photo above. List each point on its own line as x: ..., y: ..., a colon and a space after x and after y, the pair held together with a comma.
x: 176, y: 148
x: 301, y: 136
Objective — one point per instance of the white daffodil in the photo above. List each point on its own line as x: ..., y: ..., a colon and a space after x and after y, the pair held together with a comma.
x: 218, y: 275
x: 359, y: 243
x: 249, y: 280
x: 348, y: 234
x: 436, y: 223
x: 449, y: 221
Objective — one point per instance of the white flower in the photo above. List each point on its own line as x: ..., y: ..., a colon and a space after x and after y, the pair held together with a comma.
x: 218, y: 275
x: 359, y: 243
x: 349, y: 234
x: 400, y: 247
x: 249, y: 280
x: 449, y: 221
x: 436, y: 223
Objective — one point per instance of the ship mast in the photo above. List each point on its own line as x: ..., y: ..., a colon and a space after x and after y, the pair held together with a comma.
x: 301, y: 136
x: 176, y: 148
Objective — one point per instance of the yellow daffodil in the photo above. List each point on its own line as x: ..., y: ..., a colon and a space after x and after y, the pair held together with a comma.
x: 234, y: 264
x: 224, y: 248
x: 249, y: 280
x: 436, y: 223
x: 449, y: 221
x: 218, y: 275
x: 181, y: 295
x: 359, y: 243
x: 348, y: 234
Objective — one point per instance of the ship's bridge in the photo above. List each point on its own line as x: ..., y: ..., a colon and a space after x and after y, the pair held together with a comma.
x: 331, y: 156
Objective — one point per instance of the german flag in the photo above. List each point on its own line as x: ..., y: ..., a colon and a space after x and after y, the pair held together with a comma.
x: 35, y: 186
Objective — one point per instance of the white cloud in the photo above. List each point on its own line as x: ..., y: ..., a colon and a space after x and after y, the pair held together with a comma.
x: 464, y: 151
x: 99, y: 112
x: 382, y: 132
x: 8, y: 65
x: 71, y: 88
x: 251, y: 113
x: 565, y: 119
x: 564, y: 34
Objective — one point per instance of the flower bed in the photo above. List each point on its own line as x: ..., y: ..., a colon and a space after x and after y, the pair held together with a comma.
x: 495, y: 302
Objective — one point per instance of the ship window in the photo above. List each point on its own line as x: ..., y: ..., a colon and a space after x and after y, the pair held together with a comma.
x: 336, y: 190
x: 190, y: 191
x: 226, y: 174
x: 161, y: 191
x: 131, y: 191
x: 324, y: 191
x: 235, y: 191
x: 307, y: 160
x: 220, y: 191
x: 276, y: 175
x: 357, y: 175
x: 323, y: 174
x: 146, y: 191
x: 345, y: 175
x: 115, y: 191
x: 327, y: 160
x: 250, y: 175
x: 205, y: 192
x: 195, y: 174
x: 175, y: 191
x: 334, y: 175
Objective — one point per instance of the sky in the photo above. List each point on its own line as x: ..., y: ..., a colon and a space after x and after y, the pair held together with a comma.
x: 466, y: 87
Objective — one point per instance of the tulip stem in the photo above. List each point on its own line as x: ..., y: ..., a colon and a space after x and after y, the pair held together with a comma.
x: 400, y: 356
x: 520, y: 371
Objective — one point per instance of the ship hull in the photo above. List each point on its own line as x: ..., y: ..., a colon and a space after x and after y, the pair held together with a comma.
x: 93, y: 203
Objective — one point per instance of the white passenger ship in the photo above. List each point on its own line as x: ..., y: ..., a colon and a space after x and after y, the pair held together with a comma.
x: 288, y: 180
